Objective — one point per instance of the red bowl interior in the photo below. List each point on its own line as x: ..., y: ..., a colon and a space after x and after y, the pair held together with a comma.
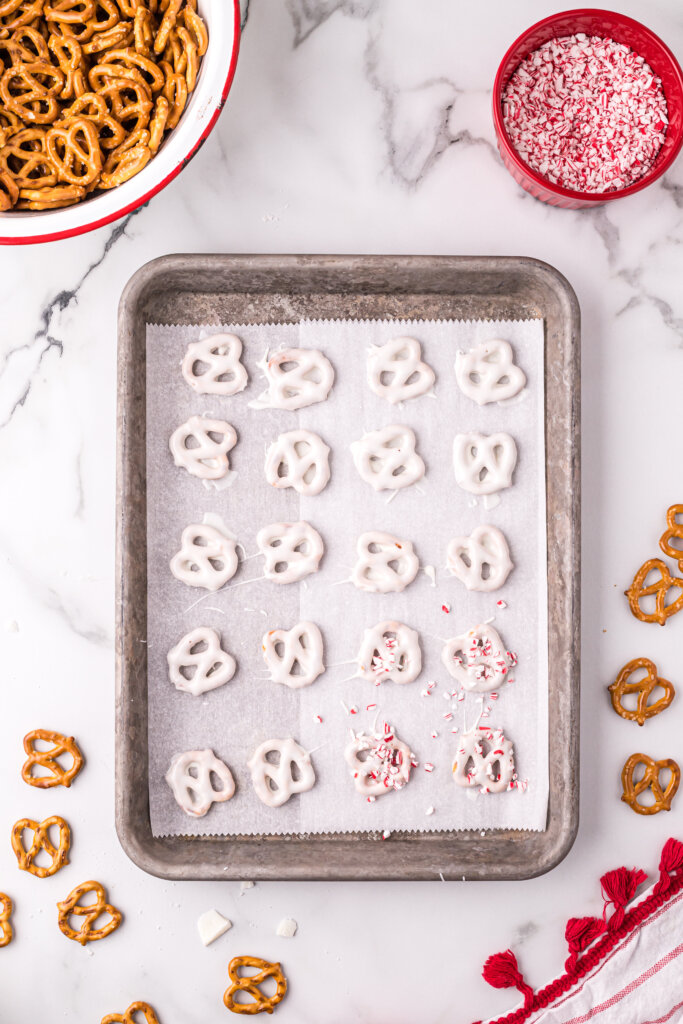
x: 622, y: 30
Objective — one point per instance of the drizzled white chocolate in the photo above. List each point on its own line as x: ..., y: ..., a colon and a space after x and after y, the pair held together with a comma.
x: 380, y: 762
x: 390, y: 650
x: 487, y: 373
x: 386, y: 564
x: 190, y: 779
x: 198, y: 663
x: 396, y: 371
x: 279, y: 769
x: 297, y: 377
x: 201, y: 446
x: 478, y: 659
x: 299, y: 459
x: 486, y: 759
x: 482, y: 560
x: 207, y: 557
x: 484, y: 464
x: 294, y: 657
x: 212, y: 365
x: 291, y: 551
x: 386, y: 458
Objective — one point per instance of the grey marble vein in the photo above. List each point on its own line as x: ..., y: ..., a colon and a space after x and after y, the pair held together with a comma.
x: 308, y: 15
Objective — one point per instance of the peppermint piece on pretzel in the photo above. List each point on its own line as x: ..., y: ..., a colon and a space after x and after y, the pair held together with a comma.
x: 191, y: 780
x: 41, y: 842
x: 484, y: 758
x: 299, y: 459
x: 297, y: 377
x: 279, y: 769
x: 488, y: 373
x: 294, y: 657
x: 396, y: 371
x: 250, y: 983
x: 650, y: 780
x: 673, y: 532
x: 201, y: 446
x: 386, y: 564
x: 390, y: 650
x: 207, y: 557
x: 72, y: 907
x: 61, y: 746
x: 212, y: 365
x: 6, y: 931
x: 478, y: 659
x: 291, y: 551
x: 484, y: 464
x: 386, y: 458
x: 198, y: 663
x: 644, y: 686
x: 481, y: 561
x: 379, y: 762
x: 132, y: 1015
x: 654, y: 581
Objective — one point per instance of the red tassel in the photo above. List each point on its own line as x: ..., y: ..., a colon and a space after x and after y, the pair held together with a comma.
x: 618, y: 889
x: 580, y: 933
x: 671, y: 860
x: 501, y: 971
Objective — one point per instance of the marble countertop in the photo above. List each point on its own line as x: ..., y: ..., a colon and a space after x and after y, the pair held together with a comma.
x: 352, y: 126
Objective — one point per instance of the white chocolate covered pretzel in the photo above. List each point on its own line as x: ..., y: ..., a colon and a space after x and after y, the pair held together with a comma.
x: 478, y: 659
x: 207, y: 557
x: 386, y: 458
x: 291, y: 551
x: 295, y: 656
x: 298, y: 459
x: 390, y: 650
x: 488, y: 373
x: 484, y: 464
x: 380, y: 762
x: 212, y: 365
x: 201, y: 446
x: 396, y: 371
x: 279, y: 769
x: 190, y: 779
x: 296, y: 377
x: 386, y: 564
x: 486, y: 759
x: 198, y: 663
x: 482, y: 560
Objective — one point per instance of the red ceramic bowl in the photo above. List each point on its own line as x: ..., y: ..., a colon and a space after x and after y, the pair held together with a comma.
x: 622, y: 30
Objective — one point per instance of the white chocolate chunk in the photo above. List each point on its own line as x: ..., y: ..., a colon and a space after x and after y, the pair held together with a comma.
x: 279, y: 769
x: 207, y: 557
x: 201, y: 446
x: 386, y: 564
x: 390, y: 650
x: 294, y: 657
x: 484, y: 758
x: 477, y: 659
x: 487, y: 373
x: 481, y: 561
x: 190, y: 778
x: 396, y: 371
x: 387, y: 459
x: 291, y: 551
x: 287, y: 928
x: 211, y: 925
x: 212, y: 365
x: 484, y: 464
x: 198, y: 663
x: 299, y: 459
x: 297, y: 377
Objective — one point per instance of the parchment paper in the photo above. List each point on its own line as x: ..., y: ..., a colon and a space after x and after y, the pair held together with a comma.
x: 235, y: 718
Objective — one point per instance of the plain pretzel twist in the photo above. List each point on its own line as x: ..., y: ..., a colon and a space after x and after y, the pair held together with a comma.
x: 41, y: 841
x: 643, y: 688
x: 70, y: 907
x: 250, y: 985
x: 650, y: 780
x: 49, y: 759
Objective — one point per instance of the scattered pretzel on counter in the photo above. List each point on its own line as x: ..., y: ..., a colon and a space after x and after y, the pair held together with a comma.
x: 88, y: 91
x: 59, y: 855
x: 643, y: 687
x: 674, y: 531
x: 71, y: 907
x: 49, y: 759
x: 250, y: 985
x: 6, y: 932
x: 129, y: 1016
x: 660, y: 587
x: 650, y: 780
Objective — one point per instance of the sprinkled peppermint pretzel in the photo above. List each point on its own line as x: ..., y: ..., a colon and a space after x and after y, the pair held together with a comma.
x: 386, y: 458
x: 478, y: 659
x: 207, y: 557
x: 485, y: 759
x: 59, y: 855
x: 294, y: 657
x: 207, y: 457
x: 386, y: 564
x: 380, y: 762
x: 396, y: 371
x: 198, y: 663
x: 484, y: 464
x: 482, y: 560
x: 72, y: 907
x: 298, y: 459
x: 390, y: 650
x: 275, y: 781
x: 212, y: 365
x: 131, y: 1015
x: 6, y: 931
x: 189, y: 777
x: 488, y: 372
x: 48, y: 759
x: 291, y: 551
x: 296, y: 377
x: 249, y: 984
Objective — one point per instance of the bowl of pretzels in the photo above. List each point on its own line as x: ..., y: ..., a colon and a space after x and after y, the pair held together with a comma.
x: 102, y: 104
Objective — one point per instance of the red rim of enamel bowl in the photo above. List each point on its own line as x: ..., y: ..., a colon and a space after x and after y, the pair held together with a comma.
x: 56, y: 236
x: 607, y: 24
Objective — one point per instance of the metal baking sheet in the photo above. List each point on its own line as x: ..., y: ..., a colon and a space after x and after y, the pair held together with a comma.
x: 253, y: 289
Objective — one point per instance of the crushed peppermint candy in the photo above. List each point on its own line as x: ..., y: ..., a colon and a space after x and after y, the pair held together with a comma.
x: 587, y: 113
x: 446, y: 608
x: 318, y: 719
x: 501, y: 604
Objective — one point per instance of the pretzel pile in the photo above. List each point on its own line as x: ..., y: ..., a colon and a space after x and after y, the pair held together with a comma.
x: 88, y: 91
